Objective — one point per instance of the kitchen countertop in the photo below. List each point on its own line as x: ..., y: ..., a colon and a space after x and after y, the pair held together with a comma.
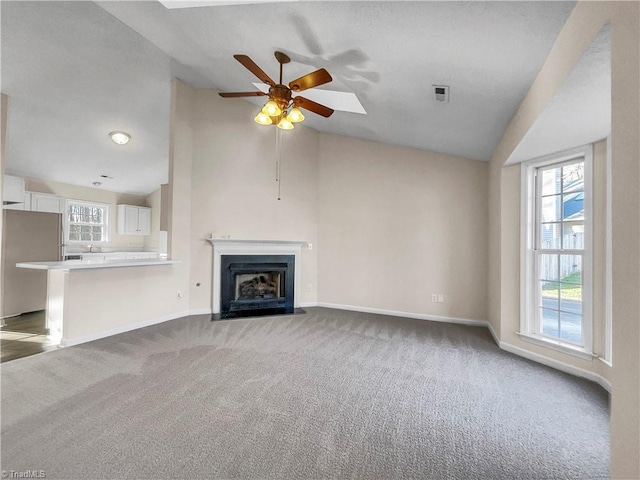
x: 92, y: 264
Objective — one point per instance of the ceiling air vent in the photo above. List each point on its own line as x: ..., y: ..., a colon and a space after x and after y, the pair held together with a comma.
x: 441, y: 93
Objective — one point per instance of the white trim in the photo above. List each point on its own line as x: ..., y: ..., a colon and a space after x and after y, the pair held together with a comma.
x: 557, y: 345
x: 558, y: 365
x: 106, y: 223
x: 396, y: 313
x: 527, y: 239
x: 69, y: 342
x: 493, y: 334
x: 308, y: 304
x: 530, y: 191
x: 237, y: 242
x: 201, y: 311
x: 225, y: 246
x: 608, y: 269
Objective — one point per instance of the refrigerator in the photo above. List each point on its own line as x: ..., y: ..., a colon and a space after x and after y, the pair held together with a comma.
x: 28, y: 237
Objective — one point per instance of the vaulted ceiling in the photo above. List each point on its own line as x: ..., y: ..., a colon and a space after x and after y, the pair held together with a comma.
x: 77, y: 70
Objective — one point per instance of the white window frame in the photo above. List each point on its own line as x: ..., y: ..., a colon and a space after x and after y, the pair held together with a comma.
x: 529, y: 312
x: 608, y: 324
x: 67, y: 223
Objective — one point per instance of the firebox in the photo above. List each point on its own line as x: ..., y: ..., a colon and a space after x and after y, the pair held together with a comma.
x: 253, y: 285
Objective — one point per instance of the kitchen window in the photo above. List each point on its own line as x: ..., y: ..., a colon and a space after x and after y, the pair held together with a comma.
x: 87, y: 222
x: 556, y: 242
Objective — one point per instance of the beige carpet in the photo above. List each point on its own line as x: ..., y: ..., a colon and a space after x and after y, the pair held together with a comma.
x: 327, y: 394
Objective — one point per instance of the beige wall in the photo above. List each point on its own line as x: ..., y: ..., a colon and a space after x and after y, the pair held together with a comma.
x: 154, y: 201
x: 122, y: 298
x: 4, y: 109
x: 98, y: 195
x: 398, y: 224
x: 105, y: 300
x: 234, y: 192
x: 582, y: 26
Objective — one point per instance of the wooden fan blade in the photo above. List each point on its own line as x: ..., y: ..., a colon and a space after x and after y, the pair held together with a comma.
x: 312, y: 106
x: 253, y: 68
x: 313, y: 79
x: 241, y: 94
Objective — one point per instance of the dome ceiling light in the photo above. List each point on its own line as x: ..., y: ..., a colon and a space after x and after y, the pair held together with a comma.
x: 121, y: 138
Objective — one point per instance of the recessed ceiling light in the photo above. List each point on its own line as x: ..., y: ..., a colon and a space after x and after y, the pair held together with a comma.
x: 96, y: 184
x: 121, y: 138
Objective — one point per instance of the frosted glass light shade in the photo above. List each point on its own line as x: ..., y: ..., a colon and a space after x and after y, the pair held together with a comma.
x: 285, y: 124
x: 271, y: 108
x: 295, y: 115
x: 263, y: 119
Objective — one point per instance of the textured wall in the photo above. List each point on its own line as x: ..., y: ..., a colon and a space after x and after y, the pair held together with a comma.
x: 398, y: 224
x: 234, y: 192
x: 582, y: 26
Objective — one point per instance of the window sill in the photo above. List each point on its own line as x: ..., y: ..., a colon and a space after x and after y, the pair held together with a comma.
x: 557, y: 346
x: 606, y: 362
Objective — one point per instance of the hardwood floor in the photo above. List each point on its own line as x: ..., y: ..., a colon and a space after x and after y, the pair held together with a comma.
x: 24, y: 335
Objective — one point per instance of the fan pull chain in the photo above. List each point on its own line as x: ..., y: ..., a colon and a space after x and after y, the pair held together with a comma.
x: 279, y: 159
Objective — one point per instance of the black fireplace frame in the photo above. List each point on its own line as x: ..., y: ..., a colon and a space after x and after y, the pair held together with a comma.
x: 232, y: 265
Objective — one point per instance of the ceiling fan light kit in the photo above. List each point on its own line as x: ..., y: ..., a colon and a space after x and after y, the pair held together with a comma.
x: 283, y: 109
x: 295, y: 115
x: 263, y: 119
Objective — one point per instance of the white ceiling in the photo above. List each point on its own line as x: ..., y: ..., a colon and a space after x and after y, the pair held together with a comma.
x: 579, y: 112
x: 74, y: 73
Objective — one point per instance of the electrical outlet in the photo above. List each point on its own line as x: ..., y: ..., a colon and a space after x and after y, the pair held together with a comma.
x: 434, y: 298
x: 311, y: 246
x: 179, y: 294
x: 440, y: 298
x: 310, y: 288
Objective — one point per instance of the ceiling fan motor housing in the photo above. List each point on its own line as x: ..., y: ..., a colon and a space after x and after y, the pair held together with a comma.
x: 281, y: 94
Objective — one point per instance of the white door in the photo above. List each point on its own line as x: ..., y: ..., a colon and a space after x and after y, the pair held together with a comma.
x: 144, y: 221
x: 131, y: 220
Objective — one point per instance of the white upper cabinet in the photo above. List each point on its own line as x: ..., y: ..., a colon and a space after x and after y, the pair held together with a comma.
x: 13, y: 192
x: 134, y: 220
x: 30, y: 201
x: 44, y: 202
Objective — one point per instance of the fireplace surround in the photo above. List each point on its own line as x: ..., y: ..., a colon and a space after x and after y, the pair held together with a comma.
x: 242, y: 261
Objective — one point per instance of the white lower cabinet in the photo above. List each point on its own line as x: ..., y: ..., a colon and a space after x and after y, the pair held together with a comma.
x: 134, y: 220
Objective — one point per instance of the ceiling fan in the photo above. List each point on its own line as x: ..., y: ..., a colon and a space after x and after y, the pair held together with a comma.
x: 283, y: 108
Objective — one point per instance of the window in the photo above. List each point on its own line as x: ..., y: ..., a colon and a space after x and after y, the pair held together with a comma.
x: 556, y: 284
x: 87, y: 222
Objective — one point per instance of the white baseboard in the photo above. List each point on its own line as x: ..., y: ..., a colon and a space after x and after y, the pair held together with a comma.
x: 396, y: 313
x: 201, y: 311
x: 68, y: 342
x: 558, y: 365
x: 493, y: 333
x: 307, y: 304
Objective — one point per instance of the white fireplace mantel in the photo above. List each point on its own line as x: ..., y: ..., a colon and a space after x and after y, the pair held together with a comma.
x: 228, y: 246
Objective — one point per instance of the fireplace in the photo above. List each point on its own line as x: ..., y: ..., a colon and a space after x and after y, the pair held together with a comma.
x: 252, y: 285
x: 275, y: 293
